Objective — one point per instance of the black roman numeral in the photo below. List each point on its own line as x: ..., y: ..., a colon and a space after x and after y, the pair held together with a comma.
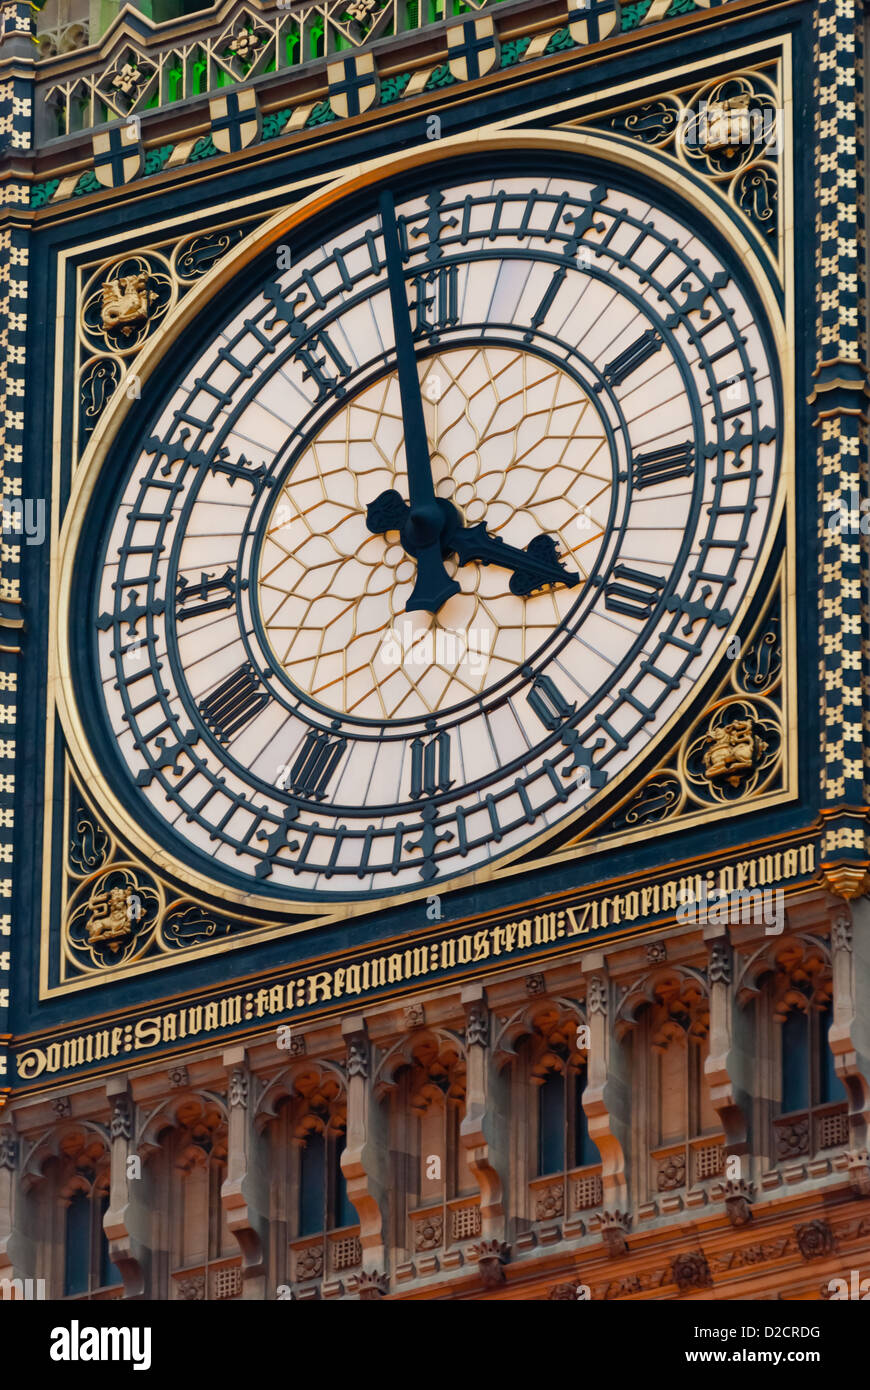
x: 631, y: 358
x: 318, y: 758
x: 430, y: 765
x: 234, y: 703
x: 439, y: 309
x: 244, y: 469
x: 548, y: 703
x: 662, y: 465
x: 209, y: 595
x: 632, y: 592
x: 317, y: 344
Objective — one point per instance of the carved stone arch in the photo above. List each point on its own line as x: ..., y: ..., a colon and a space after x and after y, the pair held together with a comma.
x: 680, y: 996
x: 802, y: 974
x: 321, y: 1085
x: 437, y: 1054
x: 555, y: 1021
x: 83, y: 1144
x: 203, y: 1113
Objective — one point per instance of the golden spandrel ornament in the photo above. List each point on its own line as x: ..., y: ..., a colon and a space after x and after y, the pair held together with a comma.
x: 117, y: 912
x: 735, y: 744
x: 111, y: 914
x: 728, y: 124
x: 730, y: 130
x: 733, y: 753
x: 122, y: 301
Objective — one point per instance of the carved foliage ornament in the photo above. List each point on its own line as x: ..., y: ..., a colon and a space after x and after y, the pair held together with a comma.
x: 815, y: 1239
x: 680, y: 1000
x: 691, y: 1271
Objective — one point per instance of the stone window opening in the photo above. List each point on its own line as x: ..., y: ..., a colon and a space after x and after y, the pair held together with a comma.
x: 87, y: 1269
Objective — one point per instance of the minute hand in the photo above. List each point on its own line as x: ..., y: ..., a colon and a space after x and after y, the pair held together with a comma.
x: 533, y: 568
x: 426, y: 520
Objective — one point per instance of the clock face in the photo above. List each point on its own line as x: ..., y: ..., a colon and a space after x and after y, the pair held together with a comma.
x: 422, y: 551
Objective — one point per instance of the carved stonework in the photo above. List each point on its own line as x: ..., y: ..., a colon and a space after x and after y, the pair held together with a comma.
x: 680, y: 996
x: 841, y: 934
x: 238, y: 1088
x: 477, y: 1026
x: 414, y: 1016
x: 297, y: 1045
x: 550, y: 1202
x: 309, y: 1263
x: 793, y: 1140
x: 8, y: 1149
x: 671, y: 1173
x: 691, y: 1271
x: 562, y: 1293
x: 614, y: 1229
x: 372, y: 1286
x: 121, y: 1126
x: 192, y: 1289
x: 656, y: 952
x: 357, y: 1056
x: 178, y: 1076
x: 738, y: 1201
x: 815, y: 1239
x: 429, y: 1233
x: 535, y: 984
x: 596, y: 995
x: 720, y: 963
x: 492, y: 1256
x: 62, y: 1107
x: 859, y: 1172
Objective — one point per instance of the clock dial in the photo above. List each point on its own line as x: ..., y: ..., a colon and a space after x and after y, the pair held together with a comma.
x: 444, y: 525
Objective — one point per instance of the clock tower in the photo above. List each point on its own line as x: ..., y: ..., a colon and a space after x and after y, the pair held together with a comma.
x: 434, y: 581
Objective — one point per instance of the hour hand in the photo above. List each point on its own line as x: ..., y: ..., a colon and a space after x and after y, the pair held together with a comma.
x: 536, y: 567
x: 430, y: 538
x: 421, y: 531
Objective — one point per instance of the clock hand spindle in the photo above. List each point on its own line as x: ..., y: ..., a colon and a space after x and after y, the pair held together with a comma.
x: 428, y: 516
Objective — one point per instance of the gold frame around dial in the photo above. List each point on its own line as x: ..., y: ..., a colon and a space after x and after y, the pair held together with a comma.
x: 355, y: 178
